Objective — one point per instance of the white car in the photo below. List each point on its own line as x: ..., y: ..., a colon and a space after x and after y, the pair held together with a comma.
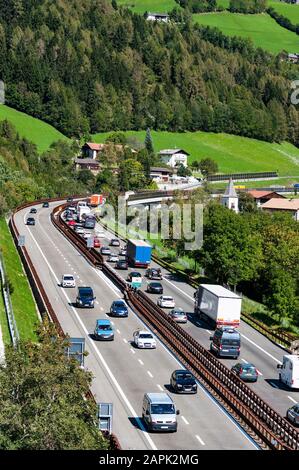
x: 87, y: 235
x: 113, y: 258
x: 100, y: 234
x: 144, y: 339
x: 68, y: 280
x: 79, y: 230
x: 166, y: 301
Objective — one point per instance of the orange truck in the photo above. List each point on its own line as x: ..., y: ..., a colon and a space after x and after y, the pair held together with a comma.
x: 96, y: 200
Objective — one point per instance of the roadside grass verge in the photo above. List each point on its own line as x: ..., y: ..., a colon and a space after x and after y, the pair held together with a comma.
x: 21, y: 297
x: 4, y: 323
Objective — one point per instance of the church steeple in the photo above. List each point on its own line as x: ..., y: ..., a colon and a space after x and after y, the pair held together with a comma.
x: 230, y: 198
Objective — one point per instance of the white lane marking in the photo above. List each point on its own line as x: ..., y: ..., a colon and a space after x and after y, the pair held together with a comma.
x: 200, y: 440
x: 150, y: 374
x: 184, y: 419
x: 101, y: 308
x: 140, y: 361
x: 292, y: 399
x: 111, y: 375
x: 125, y: 341
x: 132, y: 350
x: 187, y: 295
x: 261, y: 349
x: 118, y: 331
x: 206, y: 330
x: 97, y: 302
x: 246, y: 362
x: 273, y: 385
x: 159, y: 387
x: 112, y: 323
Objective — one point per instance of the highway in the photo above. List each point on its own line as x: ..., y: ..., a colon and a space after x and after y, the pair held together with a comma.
x: 255, y: 348
x: 122, y: 373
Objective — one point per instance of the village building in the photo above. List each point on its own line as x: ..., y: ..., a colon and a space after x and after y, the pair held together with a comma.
x: 174, y: 157
x: 157, y: 17
x: 260, y: 196
x: 283, y: 205
x: 230, y: 198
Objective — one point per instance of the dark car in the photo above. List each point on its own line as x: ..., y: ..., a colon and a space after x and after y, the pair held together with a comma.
x: 293, y: 414
x: 105, y: 250
x: 30, y: 221
x: 46, y: 204
x: 133, y: 274
x: 226, y: 342
x: 122, y: 264
x: 69, y: 199
x: 246, y: 372
x: 119, y: 309
x: 114, y: 242
x: 182, y: 381
x: 153, y: 273
x: 33, y: 210
x: 155, y: 287
x: 85, y: 297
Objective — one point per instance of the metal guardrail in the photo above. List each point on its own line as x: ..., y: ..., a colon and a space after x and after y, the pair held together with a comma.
x: 41, y: 297
x: 13, y: 330
x: 253, y: 413
x: 242, y: 176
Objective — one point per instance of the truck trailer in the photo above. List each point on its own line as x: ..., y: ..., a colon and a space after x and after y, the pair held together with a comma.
x: 82, y: 210
x: 218, y: 305
x: 96, y: 200
x: 139, y: 253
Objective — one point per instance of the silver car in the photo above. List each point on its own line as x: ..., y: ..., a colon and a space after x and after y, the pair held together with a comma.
x: 293, y: 414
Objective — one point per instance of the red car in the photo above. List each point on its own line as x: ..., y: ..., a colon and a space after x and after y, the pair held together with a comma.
x: 71, y: 222
x: 97, y: 243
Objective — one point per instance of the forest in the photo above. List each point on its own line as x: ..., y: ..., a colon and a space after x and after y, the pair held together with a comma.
x: 91, y: 66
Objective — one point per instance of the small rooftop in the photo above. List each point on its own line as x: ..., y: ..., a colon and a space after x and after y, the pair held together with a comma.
x: 283, y: 204
x: 172, y: 151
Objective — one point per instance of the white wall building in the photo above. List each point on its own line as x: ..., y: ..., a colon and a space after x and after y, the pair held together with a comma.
x: 230, y: 198
x: 157, y: 17
x: 174, y: 157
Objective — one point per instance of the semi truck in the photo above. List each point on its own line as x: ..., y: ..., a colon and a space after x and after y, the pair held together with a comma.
x: 218, y: 305
x: 96, y: 200
x: 139, y: 253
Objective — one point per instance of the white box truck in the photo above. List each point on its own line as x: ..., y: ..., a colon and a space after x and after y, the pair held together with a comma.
x: 82, y: 210
x: 218, y: 305
x: 289, y: 370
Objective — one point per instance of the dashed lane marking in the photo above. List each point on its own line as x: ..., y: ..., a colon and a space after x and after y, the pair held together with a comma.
x: 200, y: 440
x: 150, y: 374
x: 140, y: 361
x: 184, y: 419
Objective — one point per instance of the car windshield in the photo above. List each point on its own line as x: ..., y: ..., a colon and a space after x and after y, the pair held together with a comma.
x: 184, y: 376
x: 249, y: 369
x: 145, y: 336
x: 86, y: 294
x: 162, y: 409
x: 134, y: 274
x: 104, y: 327
x: 178, y: 313
x: 167, y: 299
x: 119, y: 304
x: 68, y: 278
x: 155, y: 284
x: 230, y: 342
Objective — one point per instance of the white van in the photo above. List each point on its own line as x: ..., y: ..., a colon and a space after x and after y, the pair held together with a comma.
x: 159, y: 412
x: 289, y: 370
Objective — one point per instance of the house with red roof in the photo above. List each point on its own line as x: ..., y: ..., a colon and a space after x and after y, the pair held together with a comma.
x: 260, y: 196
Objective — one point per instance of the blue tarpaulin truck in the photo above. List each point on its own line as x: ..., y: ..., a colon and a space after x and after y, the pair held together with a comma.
x: 139, y: 253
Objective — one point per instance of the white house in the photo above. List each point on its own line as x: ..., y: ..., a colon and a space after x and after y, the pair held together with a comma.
x: 230, y: 198
x: 157, y: 17
x: 174, y: 157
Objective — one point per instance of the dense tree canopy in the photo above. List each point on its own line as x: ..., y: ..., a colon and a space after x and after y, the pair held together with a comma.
x: 87, y: 67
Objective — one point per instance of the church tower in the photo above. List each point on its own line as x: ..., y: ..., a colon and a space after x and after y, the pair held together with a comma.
x: 230, y: 198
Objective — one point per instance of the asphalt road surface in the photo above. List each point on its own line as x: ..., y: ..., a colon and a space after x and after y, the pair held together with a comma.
x: 122, y: 373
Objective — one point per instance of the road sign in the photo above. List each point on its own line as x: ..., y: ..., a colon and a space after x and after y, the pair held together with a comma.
x: 105, y: 412
x: 76, y: 349
x: 21, y: 240
x: 90, y: 242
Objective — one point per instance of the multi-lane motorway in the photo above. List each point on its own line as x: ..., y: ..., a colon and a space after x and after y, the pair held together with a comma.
x: 122, y: 374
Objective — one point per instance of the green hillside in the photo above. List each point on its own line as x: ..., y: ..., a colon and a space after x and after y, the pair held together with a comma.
x: 232, y: 153
x: 286, y: 9
x: 156, y: 6
x: 261, y: 28
x: 39, y: 132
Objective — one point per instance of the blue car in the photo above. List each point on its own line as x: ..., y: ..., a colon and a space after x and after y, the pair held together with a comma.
x: 118, y: 309
x: 103, y: 330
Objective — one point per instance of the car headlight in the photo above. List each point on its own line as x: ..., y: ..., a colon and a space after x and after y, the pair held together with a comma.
x: 179, y: 385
